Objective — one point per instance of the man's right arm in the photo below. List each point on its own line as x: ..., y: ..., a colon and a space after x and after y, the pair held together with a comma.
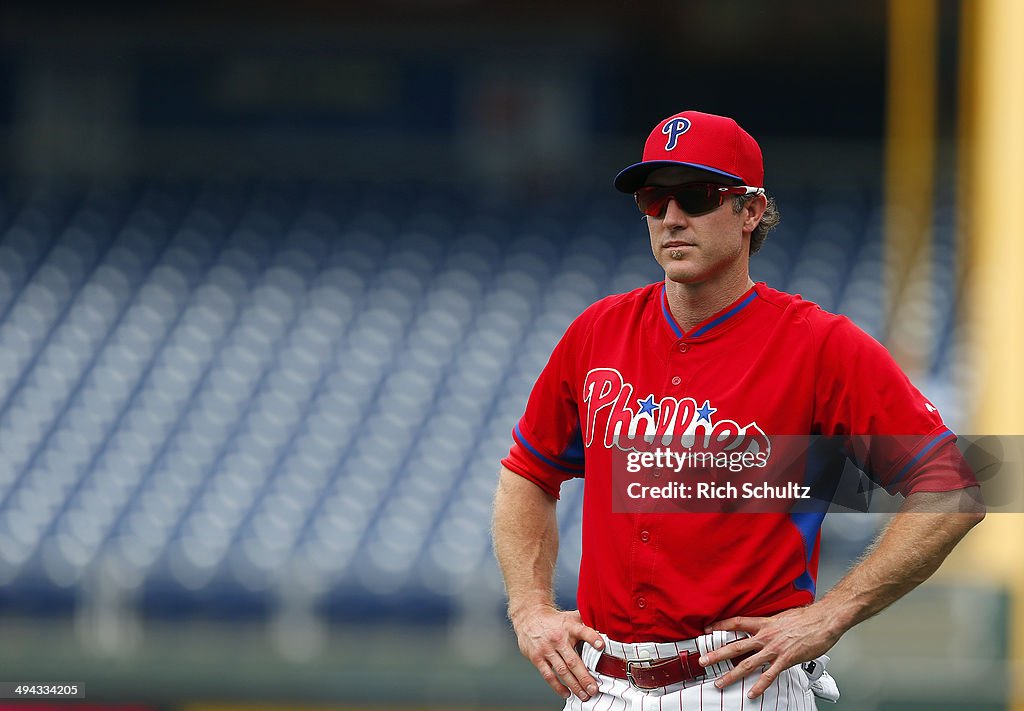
x: 525, y: 531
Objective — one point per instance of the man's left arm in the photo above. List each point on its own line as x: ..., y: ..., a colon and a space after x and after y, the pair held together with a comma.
x: 924, y: 531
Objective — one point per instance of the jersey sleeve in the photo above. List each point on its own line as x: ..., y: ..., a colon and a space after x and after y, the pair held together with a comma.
x: 547, y: 445
x: 892, y: 432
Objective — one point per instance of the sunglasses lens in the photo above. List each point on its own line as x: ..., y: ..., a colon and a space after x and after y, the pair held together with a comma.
x: 697, y: 199
x: 694, y: 198
x: 652, y: 201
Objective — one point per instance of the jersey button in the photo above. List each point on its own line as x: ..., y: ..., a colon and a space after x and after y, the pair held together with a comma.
x: 683, y: 347
x: 645, y: 536
x: 676, y: 380
x: 641, y: 602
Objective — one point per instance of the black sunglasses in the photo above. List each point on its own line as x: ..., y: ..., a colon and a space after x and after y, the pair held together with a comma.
x: 693, y: 198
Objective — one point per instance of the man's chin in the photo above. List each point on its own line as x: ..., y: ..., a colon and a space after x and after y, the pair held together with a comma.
x: 682, y: 273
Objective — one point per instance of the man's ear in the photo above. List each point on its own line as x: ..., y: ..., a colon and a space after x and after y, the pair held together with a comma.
x: 753, y: 211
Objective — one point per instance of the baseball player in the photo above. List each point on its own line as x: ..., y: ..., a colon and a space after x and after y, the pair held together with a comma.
x: 711, y: 609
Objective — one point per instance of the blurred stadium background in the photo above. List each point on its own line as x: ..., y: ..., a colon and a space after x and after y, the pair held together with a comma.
x: 276, y: 279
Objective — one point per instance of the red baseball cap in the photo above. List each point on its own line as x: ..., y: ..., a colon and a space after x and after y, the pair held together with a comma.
x: 715, y: 144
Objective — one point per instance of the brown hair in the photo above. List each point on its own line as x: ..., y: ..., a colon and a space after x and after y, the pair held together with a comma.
x: 769, y: 219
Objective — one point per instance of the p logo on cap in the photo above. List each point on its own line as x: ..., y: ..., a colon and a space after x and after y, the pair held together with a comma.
x: 674, y: 129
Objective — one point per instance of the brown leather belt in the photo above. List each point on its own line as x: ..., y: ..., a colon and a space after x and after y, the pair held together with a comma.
x: 655, y: 673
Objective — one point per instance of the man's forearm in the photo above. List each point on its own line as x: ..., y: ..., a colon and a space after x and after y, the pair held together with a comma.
x: 913, y: 546
x: 526, y: 546
x: 919, y: 538
x: 525, y: 531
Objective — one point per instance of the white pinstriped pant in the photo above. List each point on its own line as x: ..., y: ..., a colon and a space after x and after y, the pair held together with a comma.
x: 790, y: 692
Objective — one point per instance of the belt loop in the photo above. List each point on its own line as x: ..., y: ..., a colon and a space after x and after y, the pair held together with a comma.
x: 685, y: 657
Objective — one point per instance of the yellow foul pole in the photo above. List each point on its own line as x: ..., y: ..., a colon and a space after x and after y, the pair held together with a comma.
x: 909, y: 179
x: 992, y: 153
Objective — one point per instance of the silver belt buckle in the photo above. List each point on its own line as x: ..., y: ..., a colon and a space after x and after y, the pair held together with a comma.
x: 629, y: 674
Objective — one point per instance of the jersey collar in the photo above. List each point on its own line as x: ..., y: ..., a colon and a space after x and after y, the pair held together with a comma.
x: 712, y: 322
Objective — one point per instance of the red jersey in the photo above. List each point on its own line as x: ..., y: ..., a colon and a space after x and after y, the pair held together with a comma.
x: 770, y: 364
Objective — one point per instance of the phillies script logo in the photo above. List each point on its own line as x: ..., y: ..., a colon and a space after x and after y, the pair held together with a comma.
x: 664, y: 422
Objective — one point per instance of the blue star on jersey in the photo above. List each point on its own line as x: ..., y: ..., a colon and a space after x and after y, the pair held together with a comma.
x: 705, y: 411
x: 648, y: 406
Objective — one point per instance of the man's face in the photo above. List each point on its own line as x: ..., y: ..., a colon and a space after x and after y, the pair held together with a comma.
x: 693, y: 249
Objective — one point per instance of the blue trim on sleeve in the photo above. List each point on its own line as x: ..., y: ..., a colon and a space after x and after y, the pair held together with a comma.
x: 550, y: 462
x: 728, y: 314
x: 938, y: 439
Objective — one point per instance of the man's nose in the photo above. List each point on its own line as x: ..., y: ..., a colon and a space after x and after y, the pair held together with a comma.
x: 674, y: 215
